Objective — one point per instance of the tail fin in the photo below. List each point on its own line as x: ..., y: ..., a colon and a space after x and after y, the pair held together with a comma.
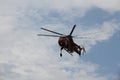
x: 84, y: 51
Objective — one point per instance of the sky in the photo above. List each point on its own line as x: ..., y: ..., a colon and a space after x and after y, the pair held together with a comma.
x: 26, y: 56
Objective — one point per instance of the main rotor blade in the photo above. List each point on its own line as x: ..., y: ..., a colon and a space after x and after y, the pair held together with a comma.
x: 72, y: 29
x: 48, y: 35
x: 51, y: 31
x: 82, y: 37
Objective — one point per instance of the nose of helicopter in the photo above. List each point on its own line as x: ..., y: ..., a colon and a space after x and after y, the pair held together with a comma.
x: 61, y: 41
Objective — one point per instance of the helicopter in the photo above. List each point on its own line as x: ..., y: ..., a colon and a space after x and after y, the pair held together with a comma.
x: 66, y: 42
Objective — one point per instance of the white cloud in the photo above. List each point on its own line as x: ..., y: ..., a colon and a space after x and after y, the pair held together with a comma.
x: 107, y: 5
x: 32, y: 57
x: 66, y: 7
x: 6, y: 24
x: 25, y: 56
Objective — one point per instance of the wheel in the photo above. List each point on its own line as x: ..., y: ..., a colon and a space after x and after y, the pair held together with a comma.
x: 60, y: 54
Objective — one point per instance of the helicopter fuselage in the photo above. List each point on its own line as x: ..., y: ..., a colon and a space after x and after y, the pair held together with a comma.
x: 68, y: 44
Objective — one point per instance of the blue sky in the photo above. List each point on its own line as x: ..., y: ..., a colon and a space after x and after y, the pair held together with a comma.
x: 25, y: 56
x: 107, y: 54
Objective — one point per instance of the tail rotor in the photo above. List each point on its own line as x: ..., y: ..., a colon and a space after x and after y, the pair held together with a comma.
x: 83, y: 50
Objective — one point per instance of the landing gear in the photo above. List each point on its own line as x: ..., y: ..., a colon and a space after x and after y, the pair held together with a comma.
x: 71, y: 54
x: 61, y: 51
x: 79, y: 53
x: 60, y: 54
